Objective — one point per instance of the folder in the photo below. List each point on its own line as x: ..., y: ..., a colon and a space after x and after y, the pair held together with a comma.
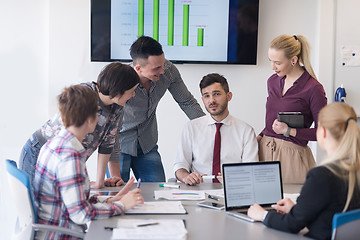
x: 292, y: 119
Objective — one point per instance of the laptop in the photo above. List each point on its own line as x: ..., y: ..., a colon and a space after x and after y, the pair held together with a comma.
x: 249, y: 183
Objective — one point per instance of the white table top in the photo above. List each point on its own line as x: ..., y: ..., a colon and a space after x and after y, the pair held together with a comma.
x: 201, y: 223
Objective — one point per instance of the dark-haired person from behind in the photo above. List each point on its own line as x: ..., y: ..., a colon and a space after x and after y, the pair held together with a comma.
x: 114, y: 87
x: 61, y: 183
x: 139, y: 134
x: 330, y: 188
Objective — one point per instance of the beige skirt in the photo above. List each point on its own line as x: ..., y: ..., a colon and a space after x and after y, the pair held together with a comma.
x: 295, y: 160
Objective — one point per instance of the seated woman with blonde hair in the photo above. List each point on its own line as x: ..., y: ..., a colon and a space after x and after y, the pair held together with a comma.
x: 330, y: 188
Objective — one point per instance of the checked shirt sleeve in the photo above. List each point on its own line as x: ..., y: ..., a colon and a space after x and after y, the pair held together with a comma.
x: 74, y: 188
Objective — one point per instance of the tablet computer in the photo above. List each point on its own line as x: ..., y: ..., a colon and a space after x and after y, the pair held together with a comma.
x: 292, y: 119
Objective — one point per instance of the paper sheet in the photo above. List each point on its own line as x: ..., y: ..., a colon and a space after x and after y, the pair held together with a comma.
x: 158, y: 207
x: 163, y: 229
x: 216, y: 192
x: 177, y: 194
x: 292, y: 196
x: 350, y: 55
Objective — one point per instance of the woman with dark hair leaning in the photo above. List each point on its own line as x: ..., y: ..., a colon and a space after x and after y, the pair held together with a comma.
x: 330, y: 188
x: 293, y: 88
x: 115, y: 85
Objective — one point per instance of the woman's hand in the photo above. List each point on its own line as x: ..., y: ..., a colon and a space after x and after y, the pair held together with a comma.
x: 279, y: 127
x: 95, y: 185
x: 256, y: 212
x: 131, y: 199
x: 283, y: 206
x: 123, y: 191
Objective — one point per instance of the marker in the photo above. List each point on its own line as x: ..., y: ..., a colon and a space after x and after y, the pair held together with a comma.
x: 168, y: 185
x: 185, y: 194
x: 213, y: 197
x: 138, y: 184
x: 205, y: 177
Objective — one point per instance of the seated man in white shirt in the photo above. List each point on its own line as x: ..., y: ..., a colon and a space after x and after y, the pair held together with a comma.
x: 199, y: 146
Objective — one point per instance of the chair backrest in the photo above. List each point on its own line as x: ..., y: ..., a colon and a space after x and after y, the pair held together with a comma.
x: 346, y: 225
x: 20, y: 189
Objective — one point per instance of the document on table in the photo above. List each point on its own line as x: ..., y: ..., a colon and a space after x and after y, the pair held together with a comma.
x: 149, y: 229
x: 292, y: 196
x: 177, y: 194
x: 158, y: 207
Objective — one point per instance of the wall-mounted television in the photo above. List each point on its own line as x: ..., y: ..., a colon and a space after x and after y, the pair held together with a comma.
x: 190, y: 31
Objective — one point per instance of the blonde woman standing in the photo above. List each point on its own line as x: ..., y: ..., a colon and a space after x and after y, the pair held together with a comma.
x: 293, y: 88
x: 330, y: 188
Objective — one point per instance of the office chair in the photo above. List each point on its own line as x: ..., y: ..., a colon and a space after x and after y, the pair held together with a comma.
x: 346, y: 225
x: 27, y: 225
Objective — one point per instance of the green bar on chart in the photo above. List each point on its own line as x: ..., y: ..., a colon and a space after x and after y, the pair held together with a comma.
x: 200, y: 37
x: 186, y: 25
x: 156, y: 20
x: 141, y: 18
x: 171, y: 23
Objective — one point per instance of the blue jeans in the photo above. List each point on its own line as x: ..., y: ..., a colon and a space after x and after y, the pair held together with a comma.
x: 148, y: 166
x: 28, y: 157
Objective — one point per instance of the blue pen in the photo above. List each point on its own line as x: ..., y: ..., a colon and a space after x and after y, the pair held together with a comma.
x: 138, y: 184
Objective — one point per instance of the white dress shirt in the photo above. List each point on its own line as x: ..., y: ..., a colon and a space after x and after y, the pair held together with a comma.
x: 195, y: 151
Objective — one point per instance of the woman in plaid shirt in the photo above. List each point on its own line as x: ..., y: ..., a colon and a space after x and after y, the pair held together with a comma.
x: 61, y: 182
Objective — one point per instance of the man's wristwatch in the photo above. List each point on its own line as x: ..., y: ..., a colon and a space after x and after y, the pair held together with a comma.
x: 287, y: 134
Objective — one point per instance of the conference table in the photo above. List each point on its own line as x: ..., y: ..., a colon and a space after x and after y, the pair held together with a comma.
x: 201, y: 223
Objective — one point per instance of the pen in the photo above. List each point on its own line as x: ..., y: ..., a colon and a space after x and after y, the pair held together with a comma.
x: 138, y: 183
x: 147, y: 224
x: 208, y: 177
x: 213, y: 197
x: 168, y: 185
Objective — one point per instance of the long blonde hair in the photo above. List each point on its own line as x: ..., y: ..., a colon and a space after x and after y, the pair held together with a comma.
x: 341, y: 121
x: 296, y: 45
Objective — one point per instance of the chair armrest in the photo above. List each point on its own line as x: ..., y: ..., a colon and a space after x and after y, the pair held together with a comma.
x: 50, y: 228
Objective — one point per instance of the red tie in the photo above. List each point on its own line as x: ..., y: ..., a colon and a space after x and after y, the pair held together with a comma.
x: 217, y: 147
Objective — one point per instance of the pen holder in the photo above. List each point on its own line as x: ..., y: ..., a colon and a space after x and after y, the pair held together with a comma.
x: 340, y: 94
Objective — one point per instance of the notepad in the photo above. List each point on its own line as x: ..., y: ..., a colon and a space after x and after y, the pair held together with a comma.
x: 163, y: 229
x: 158, y: 207
x: 177, y: 194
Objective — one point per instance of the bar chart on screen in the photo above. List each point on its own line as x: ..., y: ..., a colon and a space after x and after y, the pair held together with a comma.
x: 186, y: 29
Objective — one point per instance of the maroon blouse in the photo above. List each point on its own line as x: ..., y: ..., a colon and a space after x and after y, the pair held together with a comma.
x: 306, y: 95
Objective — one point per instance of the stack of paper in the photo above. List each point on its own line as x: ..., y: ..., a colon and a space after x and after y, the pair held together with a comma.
x: 177, y: 194
x: 149, y: 229
x: 158, y: 207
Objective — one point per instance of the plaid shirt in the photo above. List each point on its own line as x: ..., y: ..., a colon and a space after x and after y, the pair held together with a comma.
x: 62, y: 187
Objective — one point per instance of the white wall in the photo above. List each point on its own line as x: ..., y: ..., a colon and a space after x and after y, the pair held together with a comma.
x: 24, y: 86
x: 45, y: 47
x: 347, y: 33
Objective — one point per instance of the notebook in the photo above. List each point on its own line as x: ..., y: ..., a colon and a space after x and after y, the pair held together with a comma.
x: 249, y: 183
x: 292, y: 119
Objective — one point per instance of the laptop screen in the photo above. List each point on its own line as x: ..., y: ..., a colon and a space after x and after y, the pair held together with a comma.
x: 249, y: 183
